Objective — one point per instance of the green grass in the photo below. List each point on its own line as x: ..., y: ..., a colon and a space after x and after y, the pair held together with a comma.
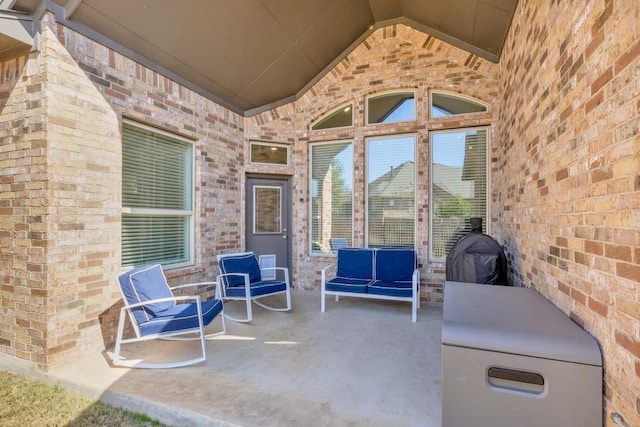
x: 28, y: 403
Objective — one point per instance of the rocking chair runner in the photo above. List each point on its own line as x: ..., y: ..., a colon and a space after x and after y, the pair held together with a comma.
x: 155, y: 312
x: 242, y: 279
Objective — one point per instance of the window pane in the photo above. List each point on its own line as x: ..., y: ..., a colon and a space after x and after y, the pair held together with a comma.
x: 458, y: 186
x: 157, y: 194
x: 443, y: 105
x: 154, y: 239
x: 391, y: 191
x: 267, y: 209
x: 269, y: 153
x: 331, y: 194
x: 156, y: 170
x: 391, y: 107
x: 342, y: 117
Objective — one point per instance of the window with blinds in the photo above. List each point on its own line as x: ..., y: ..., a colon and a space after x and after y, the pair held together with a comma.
x: 331, y: 194
x: 157, y: 197
x: 459, y: 189
x: 390, y: 193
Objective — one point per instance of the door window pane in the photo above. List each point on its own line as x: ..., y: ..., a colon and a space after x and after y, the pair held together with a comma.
x: 267, y: 208
x: 391, y: 191
x: 331, y: 194
x: 458, y: 186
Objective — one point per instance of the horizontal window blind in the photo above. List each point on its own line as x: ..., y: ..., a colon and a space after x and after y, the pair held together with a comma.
x: 157, y: 194
x: 156, y: 170
x: 458, y: 186
x: 331, y: 194
x: 391, y: 191
x: 154, y: 239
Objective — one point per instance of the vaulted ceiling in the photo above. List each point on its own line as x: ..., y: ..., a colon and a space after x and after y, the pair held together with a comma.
x: 252, y: 55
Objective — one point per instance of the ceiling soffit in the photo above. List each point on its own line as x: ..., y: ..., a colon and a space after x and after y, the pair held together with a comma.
x: 253, y: 55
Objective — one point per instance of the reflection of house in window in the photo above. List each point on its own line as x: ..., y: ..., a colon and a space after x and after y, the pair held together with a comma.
x: 331, y: 193
x: 458, y: 186
x: 391, y: 207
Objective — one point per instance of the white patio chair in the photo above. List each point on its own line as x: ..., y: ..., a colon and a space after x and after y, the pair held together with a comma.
x: 241, y: 279
x: 155, y: 313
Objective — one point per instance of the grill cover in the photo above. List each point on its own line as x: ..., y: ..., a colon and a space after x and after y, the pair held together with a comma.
x: 477, y: 258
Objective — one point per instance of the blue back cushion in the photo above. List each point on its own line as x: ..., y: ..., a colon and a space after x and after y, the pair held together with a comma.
x: 146, y: 283
x: 395, y: 264
x: 241, y: 263
x: 355, y: 263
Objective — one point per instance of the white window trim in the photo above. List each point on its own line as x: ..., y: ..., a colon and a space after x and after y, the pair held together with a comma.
x: 487, y: 222
x: 160, y: 212
x: 366, y: 183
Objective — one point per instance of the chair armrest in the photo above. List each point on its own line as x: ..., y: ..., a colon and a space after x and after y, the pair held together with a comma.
x: 217, y: 285
x: 193, y: 284
x: 325, y: 270
x: 167, y: 299
x: 245, y: 276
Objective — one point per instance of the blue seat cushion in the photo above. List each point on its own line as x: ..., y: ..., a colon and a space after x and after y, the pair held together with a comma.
x: 393, y: 289
x: 348, y: 284
x: 355, y: 263
x: 260, y: 288
x: 180, y: 317
x: 245, y: 263
x: 395, y: 264
x: 143, y: 284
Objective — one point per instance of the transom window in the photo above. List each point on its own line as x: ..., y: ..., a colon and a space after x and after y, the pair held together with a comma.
x: 157, y: 197
x: 263, y: 152
x: 337, y: 118
x: 445, y: 104
x: 391, y: 107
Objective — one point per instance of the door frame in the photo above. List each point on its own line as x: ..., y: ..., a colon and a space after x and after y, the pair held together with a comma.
x: 287, y: 209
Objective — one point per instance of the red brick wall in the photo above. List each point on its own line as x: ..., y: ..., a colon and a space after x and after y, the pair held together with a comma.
x: 395, y: 57
x: 568, y: 167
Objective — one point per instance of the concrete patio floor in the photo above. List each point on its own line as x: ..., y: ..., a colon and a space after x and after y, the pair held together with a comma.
x: 362, y: 363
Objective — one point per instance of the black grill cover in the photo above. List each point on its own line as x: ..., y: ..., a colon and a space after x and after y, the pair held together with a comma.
x: 477, y: 258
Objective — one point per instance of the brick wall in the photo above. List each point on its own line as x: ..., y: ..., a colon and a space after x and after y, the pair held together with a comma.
x: 23, y: 209
x: 395, y: 57
x: 60, y: 189
x: 568, y: 193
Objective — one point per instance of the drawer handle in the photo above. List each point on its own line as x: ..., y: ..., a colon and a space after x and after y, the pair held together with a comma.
x: 516, y: 376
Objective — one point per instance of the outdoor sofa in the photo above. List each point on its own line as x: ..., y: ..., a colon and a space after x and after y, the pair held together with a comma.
x: 381, y: 273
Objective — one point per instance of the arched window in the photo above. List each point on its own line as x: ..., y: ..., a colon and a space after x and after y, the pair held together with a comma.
x: 444, y: 104
x: 337, y: 118
x: 391, y: 107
